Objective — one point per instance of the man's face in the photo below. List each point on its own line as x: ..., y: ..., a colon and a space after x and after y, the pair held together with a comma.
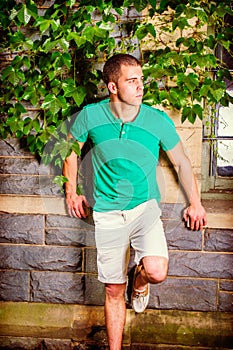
x: 129, y: 87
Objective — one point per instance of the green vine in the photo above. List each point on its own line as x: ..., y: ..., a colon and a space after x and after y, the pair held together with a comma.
x: 52, y: 58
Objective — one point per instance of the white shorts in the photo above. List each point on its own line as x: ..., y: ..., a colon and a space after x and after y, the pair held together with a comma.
x: 116, y: 230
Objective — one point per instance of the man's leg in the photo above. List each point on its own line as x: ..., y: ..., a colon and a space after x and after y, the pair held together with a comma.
x: 154, y: 271
x: 115, y: 313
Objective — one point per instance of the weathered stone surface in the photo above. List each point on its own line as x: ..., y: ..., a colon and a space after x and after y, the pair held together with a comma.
x: 14, y: 286
x: 94, y: 291
x: 180, y: 238
x: 90, y: 260
x: 17, y: 343
x: 22, y: 166
x: 177, y: 328
x: 226, y: 286
x: 12, y: 147
x: 65, y: 237
x: 82, y: 324
x: 57, y: 344
x: 17, y: 228
x: 36, y: 320
x: 167, y: 347
x: 184, y: 294
x: 13, y: 343
x: 172, y: 211
x: 218, y: 240
x: 74, y: 230
x: 28, y: 185
x: 225, y: 302
x: 193, y: 264
x: 68, y: 222
x: 41, y: 258
x: 57, y: 287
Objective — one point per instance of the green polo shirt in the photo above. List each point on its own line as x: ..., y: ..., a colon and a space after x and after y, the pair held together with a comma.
x: 124, y: 155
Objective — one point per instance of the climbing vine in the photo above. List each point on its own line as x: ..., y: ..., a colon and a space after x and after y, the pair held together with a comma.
x: 52, y: 58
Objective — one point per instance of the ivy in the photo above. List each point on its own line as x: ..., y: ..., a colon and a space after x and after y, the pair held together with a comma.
x: 55, y: 55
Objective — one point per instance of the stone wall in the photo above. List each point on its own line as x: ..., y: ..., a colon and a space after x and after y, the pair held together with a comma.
x: 50, y: 296
x: 48, y: 258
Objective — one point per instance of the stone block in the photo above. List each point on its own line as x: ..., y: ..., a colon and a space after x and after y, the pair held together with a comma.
x: 218, y: 240
x: 62, y: 236
x: 203, y: 330
x: 199, y: 264
x: 13, y: 147
x: 28, y: 185
x: 225, y: 302
x: 41, y: 258
x: 80, y: 230
x: 226, y: 286
x: 57, y: 344
x: 184, y: 294
x: 37, y: 320
x: 14, y: 285
x: 172, y: 211
x: 94, y: 291
x: 27, y: 229
x: 57, y: 287
x: 13, y: 343
x: 90, y: 260
x: 181, y: 238
x: 22, y: 166
x: 17, y: 343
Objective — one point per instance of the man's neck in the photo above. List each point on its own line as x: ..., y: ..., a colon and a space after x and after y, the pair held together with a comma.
x: 123, y: 111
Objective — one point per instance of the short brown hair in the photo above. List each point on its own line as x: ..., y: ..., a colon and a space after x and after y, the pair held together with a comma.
x: 112, y: 68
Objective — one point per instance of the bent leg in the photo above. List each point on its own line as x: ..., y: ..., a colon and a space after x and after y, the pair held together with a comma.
x: 154, y: 270
x: 115, y: 313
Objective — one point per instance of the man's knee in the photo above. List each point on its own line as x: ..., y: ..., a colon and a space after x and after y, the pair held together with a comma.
x: 156, y: 269
x: 115, y: 291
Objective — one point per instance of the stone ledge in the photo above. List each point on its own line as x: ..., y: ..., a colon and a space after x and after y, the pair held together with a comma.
x: 86, y: 323
x: 219, y: 212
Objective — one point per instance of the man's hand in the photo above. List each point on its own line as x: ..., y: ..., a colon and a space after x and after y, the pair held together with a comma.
x: 76, y: 205
x: 195, y: 217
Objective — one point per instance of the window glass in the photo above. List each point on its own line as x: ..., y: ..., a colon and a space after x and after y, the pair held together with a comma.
x: 225, y: 139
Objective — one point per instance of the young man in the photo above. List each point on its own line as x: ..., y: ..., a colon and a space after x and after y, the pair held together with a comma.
x: 126, y: 137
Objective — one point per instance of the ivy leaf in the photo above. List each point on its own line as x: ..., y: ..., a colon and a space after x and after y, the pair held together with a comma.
x: 143, y: 30
x: 44, y: 24
x: 60, y: 179
x: 52, y: 103
x: 191, y: 81
x: 49, y: 45
x: 188, y: 112
x: 36, y: 125
x: 79, y: 40
x: 64, y: 44
x: 24, y: 15
x: 14, y: 76
x: 198, y: 110
x: 140, y: 5
x: 78, y: 95
x: 66, y: 57
x: 70, y: 90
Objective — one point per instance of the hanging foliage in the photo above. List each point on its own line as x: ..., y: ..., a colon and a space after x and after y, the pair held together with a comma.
x: 52, y: 58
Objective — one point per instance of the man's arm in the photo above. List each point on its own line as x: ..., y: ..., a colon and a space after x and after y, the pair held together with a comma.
x: 75, y: 203
x: 195, y: 213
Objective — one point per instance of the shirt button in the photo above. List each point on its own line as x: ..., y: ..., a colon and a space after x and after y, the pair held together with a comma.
x: 123, y: 133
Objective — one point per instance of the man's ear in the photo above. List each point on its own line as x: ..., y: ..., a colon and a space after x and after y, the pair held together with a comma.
x: 112, y: 87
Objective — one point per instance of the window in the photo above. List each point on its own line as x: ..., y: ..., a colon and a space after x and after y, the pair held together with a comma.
x: 217, y: 160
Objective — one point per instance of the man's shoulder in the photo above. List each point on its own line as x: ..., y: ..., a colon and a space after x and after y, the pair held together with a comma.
x: 153, y: 111
x: 92, y: 107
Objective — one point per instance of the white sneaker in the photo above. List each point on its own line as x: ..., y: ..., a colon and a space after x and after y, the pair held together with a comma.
x: 139, y: 299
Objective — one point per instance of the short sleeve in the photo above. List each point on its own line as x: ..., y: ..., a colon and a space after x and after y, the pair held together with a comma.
x: 169, y: 137
x: 79, y: 129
